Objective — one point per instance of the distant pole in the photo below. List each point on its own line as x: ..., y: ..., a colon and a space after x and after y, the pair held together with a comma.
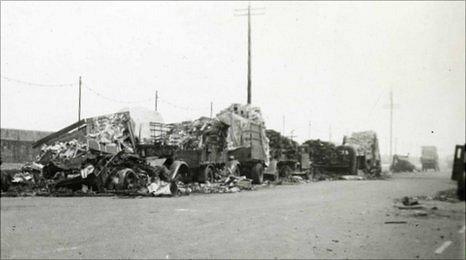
x: 391, y: 124
x: 309, y: 130
x: 211, y: 109
x: 330, y: 133
x: 156, y: 99
x: 79, y: 102
x: 292, y: 135
x: 249, y: 54
x: 283, y: 126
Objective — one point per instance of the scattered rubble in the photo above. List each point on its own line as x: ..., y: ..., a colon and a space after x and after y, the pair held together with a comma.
x: 352, y: 178
x: 449, y: 195
x: 409, y: 201
x: 396, y: 222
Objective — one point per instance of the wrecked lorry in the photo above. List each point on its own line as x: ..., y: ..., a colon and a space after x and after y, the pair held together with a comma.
x: 287, y: 157
x: 203, y: 150
x: 99, y: 154
x: 429, y: 158
x: 326, y: 157
x: 104, y: 154
x: 366, y: 146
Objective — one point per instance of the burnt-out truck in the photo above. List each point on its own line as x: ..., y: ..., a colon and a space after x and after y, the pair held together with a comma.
x: 366, y: 147
x: 429, y: 158
x: 232, y: 143
x: 287, y: 157
x: 326, y: 157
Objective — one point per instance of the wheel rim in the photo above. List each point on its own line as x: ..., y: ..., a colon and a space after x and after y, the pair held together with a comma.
x: 209, y: 174
x: 259, y: 173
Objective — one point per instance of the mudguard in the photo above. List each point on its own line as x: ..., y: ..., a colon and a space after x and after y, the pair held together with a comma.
x: 180, y: 168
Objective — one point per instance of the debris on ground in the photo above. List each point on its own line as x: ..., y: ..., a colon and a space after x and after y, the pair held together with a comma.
x: 230, y: 184
x: 409, y: 201
x: 396, y: 222
x: 290, y: 180
x: 420, y: 213
x: 447, y: 195
x: 351, y: 178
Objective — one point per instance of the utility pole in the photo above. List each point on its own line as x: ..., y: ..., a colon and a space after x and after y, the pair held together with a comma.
x: 249, y: 46
x: 79, y: 102
x: 211, y: 109
x: 309, y: 130
x: 156, y: 99
x: 292, y: 135
x: 330, y: 133
x: 283, y: 126
x: 249, y: 54
x: 391, y: 124
x: 392, y: 106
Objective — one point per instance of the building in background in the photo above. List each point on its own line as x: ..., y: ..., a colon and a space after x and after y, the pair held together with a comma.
x: 16, y: 144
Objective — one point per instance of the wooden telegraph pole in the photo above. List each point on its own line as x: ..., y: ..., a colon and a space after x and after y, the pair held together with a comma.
x: 79, y: 101
x: 392, y: 106
x: 211, y: 109
x: 156, y: 99
x: 249, y: 44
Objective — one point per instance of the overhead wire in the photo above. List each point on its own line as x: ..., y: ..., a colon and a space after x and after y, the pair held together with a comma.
x: 39, y: 84
x: 117, y: 100
x: 151, y: 99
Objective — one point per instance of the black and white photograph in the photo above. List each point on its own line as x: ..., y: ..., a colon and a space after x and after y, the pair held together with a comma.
x: 232, y: 129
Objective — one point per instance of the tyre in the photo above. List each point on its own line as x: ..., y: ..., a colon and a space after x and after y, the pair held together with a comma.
x: 237, y: 172
x: 257, y: 173
x: 307, y: 175
x: 206, y: 175
x: 285, y: 171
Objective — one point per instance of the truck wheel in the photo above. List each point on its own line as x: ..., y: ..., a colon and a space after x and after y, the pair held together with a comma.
x: 237, y: 172
x: 306, y: 175
x: 257, y: 173
x: 285, y: 171
x: 206, y: 175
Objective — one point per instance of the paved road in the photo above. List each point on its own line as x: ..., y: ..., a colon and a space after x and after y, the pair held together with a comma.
x: 338, y: 219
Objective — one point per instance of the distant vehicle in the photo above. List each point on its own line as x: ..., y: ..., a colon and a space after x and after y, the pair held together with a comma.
x: 287, y: 157
x: 429, y: 158
x: 366, y: 146
x: 458, y: 172
x: 401, y: 163
x: 325, y: 157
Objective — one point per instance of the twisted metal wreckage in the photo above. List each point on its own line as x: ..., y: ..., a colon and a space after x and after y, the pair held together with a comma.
x: 228, y: 153
x: 102, y: 154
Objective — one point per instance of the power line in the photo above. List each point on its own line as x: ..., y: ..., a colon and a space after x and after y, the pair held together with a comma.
x: 117, y: 100
x: 38, y: 84
x: 104, y: 96
x: 183, y: 107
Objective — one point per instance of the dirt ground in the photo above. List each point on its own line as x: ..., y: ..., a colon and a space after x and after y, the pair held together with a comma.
x: 329, y: 219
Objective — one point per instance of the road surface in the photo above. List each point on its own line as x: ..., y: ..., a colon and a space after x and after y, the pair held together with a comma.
x: 329, y: 219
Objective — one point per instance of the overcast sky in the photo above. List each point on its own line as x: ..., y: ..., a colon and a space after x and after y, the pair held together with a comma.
x: 329, y: 63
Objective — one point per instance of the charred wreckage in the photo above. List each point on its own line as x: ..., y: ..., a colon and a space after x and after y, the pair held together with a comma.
x: 228, y: 153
